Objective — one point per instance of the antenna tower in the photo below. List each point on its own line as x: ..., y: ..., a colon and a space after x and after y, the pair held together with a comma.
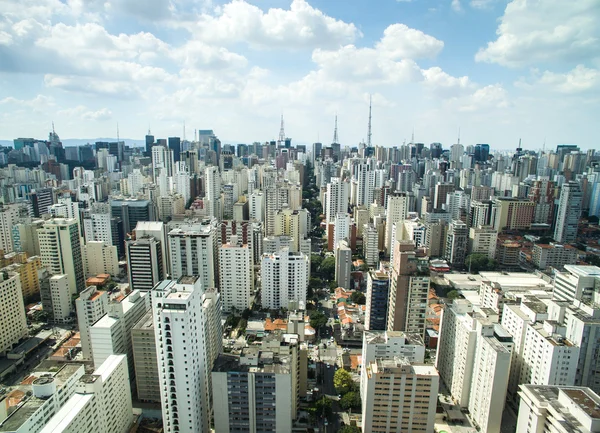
x: 118, y: 132
x: 369, y: 133
x: 335, y: 132
x: 281, y: 131
x: 458, y: 135
x: 184, y: 130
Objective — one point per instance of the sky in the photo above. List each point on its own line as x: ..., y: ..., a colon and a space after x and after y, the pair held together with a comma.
x: 498, y: 71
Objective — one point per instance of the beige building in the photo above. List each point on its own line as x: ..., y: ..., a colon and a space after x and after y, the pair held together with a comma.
x: 12, y: 311
x: 99, y: 258
x: 145, y: 363
x: 512, y: 213
x: 399, y: 396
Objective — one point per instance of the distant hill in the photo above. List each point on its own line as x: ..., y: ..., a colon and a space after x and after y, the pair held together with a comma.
x: 81, y: 141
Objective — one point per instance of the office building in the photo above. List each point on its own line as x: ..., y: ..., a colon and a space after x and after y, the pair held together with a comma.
x: 132, y: 211
x: 144, y: 262
x: 236, y: 275
x: 284, y: 279
x: 41, y: 199
x: 101, y: 403
x: 378, y: 288
x: 60, y: 250
x: 187, y: 326
x: 512, y: 214
x: 144, y: 360
x: 91, y: 305
x: 568, y: 213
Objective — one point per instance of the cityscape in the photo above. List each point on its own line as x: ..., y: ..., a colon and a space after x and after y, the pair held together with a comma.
x: 353, y: 217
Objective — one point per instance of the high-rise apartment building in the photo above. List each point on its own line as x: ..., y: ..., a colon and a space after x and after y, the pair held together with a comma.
x: 101, y: 403
x: 12, y: 311
x: 90, y: 306
x: 456, y: 243
x: 337, y: 199
x: 397, y: 211
x: 546, y: 409
x: 99, y: 258
x: 236, y: 275
x: 212, y: 184
x: 9, y: 216
x: 187, y: 326
x: 512, y: 214
x: 97, y: 224
x: 568, y: 213
x: 389, y: 402
x: 60, y: 250
x: 370, y: 244
x: 284, y: 279
x: 482, y: 240
x: 343, y: 264
x: 341, y: 230
x: 144, y: 359
x: 407, y: 304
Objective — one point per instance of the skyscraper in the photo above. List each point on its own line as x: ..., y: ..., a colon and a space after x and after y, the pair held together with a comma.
x: 378, y: 287
x: 284, y: 279
x: 145, y: 262
x: 569, y: 211
x: 236, y: 275
x: 212, y: 184
x: 175, y: 146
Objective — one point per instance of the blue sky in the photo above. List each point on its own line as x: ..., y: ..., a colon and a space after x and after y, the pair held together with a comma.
x: 499, y: 70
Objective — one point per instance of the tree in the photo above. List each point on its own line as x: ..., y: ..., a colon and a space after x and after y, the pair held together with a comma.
x: 349, y: 429
x: 315, y: 262
x: 592, y: 260
x: 358, y: 298
x: 363, y: 268
x: 246, y: 314
x: 477, y: 262
x: 321, y: 408
x: 327, y: 269
x: 350, y: 400
x: 342, y: 381
x: 317, y: 319
x: 452, y: 295
x: 315, y: 283
x: 593, y: 220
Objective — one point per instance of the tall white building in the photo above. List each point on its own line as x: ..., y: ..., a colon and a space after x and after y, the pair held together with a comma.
x: 12, y: 311
x: 60, y: 249
x: 337, y: 199
x: 212, y: 182
x: 135, y: 182
x: 482, y: 240
x: 257, y: 206
x: 62, y: 301
x: 111, y: 334
x: 236, y: 275
x: 341, y: 230
x: 569, y: 211
x: 187, y: 330
x: 575, y: 283
x: 364, y: 177
x: 284, y: 279
x: 397, y: 211
x: 162, y: 159
x: 9, y: 215
x: 101, y: 403
x: 558, y: 409
x: 97, y: 224
x: 90, y: 306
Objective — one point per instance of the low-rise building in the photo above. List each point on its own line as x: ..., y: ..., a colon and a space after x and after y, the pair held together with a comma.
x: 553, y: 255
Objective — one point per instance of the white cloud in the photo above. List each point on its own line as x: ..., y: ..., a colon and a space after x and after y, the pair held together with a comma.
x: 37, y: 102
x: 401, y: 42
x: 574, y: 82
x: 545, y: 31
x: 481, y: 4
x: 445, y: 85
x: 456, y: 6
x: 302, y: 26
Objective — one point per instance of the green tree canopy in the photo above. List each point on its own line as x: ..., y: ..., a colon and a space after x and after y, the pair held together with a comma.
x: 349, y: 429
x: 358, y: 298
x: 477, y: 262
x: 452, y: 294
x: 350, y: 400
x: 342, y: 380
x: 327, y: 269
x: 317, y: 319
x: 322, y: 408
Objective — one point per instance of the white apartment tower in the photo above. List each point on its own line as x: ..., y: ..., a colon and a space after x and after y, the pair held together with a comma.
x: 60, y: 249
x: 183, y: 326
x: 97, y: 226
x: 569, y: 211
x: 397, y: 211
x: 337, y: 198
x: 212, y: 180
x: 236, y: 275
x: 284, y: 279
x: 9, y: 215
x: 341, y: 230
x: 91, y: 306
